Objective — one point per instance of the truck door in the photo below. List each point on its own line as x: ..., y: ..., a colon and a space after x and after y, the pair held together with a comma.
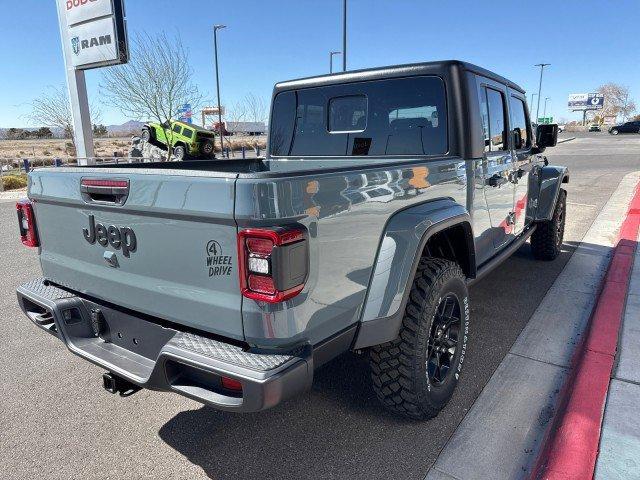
x: 499, y: 188
x: 521, y: 135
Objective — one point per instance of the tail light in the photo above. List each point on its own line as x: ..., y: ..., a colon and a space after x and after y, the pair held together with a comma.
x: 27, y: 223
x: 273, y: 264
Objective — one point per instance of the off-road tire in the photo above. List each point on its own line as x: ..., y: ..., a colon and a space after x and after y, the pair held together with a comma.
x: 546, y: 241
x: 179, y: 153
x: 146, y: 135
x: 208, y: 148
x: 399, y: 368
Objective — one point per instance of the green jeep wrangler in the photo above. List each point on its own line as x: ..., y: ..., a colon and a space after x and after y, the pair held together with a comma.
x: 186, y: 140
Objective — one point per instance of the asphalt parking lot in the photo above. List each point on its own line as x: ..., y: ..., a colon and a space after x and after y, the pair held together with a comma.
x: 57, y: 422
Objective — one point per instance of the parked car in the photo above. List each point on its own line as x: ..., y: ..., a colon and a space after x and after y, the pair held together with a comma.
x: 186, y: 140
x: 627, y: 127
x: 594, y: 127
x: 385, y: 193
x: 561, y: 128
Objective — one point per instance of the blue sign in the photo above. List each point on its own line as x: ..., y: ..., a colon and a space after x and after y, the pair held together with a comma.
x: 185, y: 114
x: 586, y: 101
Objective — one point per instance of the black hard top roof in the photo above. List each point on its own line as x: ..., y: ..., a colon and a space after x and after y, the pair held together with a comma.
x: 423, y: 68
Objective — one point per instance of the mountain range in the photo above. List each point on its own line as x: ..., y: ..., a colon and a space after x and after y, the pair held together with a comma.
x: 113, y: 130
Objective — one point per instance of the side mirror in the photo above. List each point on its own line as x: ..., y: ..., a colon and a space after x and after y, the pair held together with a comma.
x: 546, y: 136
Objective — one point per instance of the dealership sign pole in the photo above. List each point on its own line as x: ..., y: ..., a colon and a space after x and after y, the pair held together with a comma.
x: 93, y: 35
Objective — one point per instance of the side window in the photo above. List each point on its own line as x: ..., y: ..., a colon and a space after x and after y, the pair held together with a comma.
x: 187, y: 132
x: 484, y: 113
x: 348, y: 114
x: 177, y: 128
x: 283, y: 120
x: 519, y: 123
x: 497, y: 121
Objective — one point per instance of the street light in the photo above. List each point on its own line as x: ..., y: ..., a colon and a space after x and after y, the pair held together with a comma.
x: 544, y: 114
x: 215, y: 48
x: 344, y: 35
x: 531, y: 104
x: 331, y: 54
x: 541, y: 65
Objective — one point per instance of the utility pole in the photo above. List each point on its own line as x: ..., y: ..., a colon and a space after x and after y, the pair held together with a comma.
x: 344, y: 35
x: 541, y: 65
x: 331, y: 54
x: 215, y: 48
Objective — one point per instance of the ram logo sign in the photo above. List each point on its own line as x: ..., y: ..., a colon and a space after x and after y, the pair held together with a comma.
x: 96, y: 31
x: 75, y: 45
x: 78, y: 44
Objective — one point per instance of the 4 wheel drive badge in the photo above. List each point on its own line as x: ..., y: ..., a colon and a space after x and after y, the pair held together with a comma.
x: 217, y: 263
x: 213, y: 248
x: 75, y: 44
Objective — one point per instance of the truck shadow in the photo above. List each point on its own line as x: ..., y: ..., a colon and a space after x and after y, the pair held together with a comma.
x: 338, y: 429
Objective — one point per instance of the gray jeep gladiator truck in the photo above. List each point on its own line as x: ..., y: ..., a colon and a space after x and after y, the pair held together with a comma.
x: 383, y: 195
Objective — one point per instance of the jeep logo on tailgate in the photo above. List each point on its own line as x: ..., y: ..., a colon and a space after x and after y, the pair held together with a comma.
x: 117, y: 237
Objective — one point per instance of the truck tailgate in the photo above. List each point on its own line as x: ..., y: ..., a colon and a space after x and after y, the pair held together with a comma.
x: 167, y: 248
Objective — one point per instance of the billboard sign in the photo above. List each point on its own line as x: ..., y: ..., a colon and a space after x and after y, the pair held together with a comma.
x: 96, y: 32
x: 586, y: 101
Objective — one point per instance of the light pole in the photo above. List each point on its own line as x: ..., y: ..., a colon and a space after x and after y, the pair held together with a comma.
x: 531, y: 105
x: 215, y: 48
x: 544, y: 113
x: 331, y: 54
x: 541, y: 65
x: 344, y: 35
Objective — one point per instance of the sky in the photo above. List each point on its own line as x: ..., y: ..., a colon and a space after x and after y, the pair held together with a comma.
x: 587, y: 43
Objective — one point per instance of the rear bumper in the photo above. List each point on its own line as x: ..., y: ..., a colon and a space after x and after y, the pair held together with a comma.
x: 163, y: 358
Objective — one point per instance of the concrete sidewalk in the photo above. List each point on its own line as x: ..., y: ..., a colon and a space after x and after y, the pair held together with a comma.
x: 503, y: 434
x: 619, y: 455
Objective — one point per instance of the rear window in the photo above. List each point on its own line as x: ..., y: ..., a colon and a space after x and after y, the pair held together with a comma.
x: 405, y: 116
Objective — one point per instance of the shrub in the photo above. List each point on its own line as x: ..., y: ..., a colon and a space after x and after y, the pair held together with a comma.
x: 13, y: 182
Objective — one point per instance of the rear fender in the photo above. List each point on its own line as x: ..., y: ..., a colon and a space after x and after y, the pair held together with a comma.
x: 551, y: 179
x: 401, y: 247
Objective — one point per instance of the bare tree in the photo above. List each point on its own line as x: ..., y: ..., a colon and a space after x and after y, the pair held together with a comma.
x: 52, y: 109
x: 156, y: 82
x: 616, y: 101
x: 237, y: 113
x: 257, y: 110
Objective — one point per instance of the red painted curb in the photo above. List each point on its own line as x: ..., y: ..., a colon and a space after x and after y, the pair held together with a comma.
x: 571, y: 448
